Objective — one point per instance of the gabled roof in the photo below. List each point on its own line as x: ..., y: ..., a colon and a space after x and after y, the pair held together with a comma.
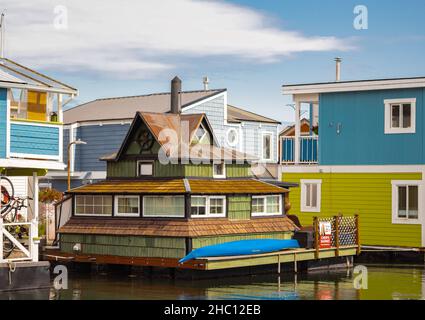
x: 156, y: 122
x: 237, y: 115
x: 122, y: 108
x: 15, y: 75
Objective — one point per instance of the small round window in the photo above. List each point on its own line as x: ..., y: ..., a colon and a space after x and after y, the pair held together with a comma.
x: 232, y: 137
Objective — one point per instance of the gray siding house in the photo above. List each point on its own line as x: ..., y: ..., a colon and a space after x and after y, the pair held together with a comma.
x: 103, y: 124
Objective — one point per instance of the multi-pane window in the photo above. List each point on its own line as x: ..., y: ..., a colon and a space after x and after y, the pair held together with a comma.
x: 267, y: 146
x: 127, y: 206
x: 163, y: 206
x: 93, y: 205
x: 400, y: 116
x: 311, y: 195
x: 266, y: 205
x: 406, y: 201
x: 208, y: 206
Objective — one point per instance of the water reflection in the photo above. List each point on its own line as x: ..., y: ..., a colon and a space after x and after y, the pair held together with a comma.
x: 384, y: 282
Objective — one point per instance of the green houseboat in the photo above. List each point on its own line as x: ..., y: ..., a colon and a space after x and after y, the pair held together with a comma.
x: 169, y: 190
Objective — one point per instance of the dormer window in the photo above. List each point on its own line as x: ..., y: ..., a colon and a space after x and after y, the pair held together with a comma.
x: 400, y: 116
x: 219, y: 170
x: 201, y: 136
x: 145, y: 169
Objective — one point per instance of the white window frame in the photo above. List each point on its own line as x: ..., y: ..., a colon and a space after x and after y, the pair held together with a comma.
x: 218, y: 176
x: 265, y: 213
x: 140, y: 162
x: 263, y: 134
x: 207, y: 209
x: 161, y: 216
x: 91, y: 214
x: 304, y: 207
x: 388, y: 116
x: 117, y: 214
x: 402, y: 183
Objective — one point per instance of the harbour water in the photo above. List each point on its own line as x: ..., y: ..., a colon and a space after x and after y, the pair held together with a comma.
x: 384, y: 282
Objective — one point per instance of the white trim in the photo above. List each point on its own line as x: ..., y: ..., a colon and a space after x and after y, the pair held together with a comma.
x: 98, y: 123
x: 188, y: 107
x: 33, y: 156
x: 354, y: 169
x: 219, y: 176
x: 267, y: 214
x: 267, y: 133
x: 162, y: 216
x: 395, y: 219
x: 366, y: 85
x: 117, y: 214
x: 37, y: 88
x: 32, y: 164
x: 8, y: 124
x: 208, y: 207
x: 303, y: 206
x: 388, y: 117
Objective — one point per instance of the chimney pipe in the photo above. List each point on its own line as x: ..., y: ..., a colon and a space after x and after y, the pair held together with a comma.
x: 176, y: 88
x: 206, y: 82
x: 338, y: 69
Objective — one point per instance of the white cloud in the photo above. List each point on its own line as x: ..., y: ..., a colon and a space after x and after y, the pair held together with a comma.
x: 134, y: 38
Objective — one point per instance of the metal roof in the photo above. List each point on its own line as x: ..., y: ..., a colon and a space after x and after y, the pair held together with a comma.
x: 15, y: 75
x: 125, y: 108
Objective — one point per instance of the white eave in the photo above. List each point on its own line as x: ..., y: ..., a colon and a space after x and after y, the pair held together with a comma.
x: 347, y: 86
x: 32, y: 164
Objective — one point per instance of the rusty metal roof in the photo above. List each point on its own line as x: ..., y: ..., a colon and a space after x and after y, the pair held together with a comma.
x: 176, y: 227
x: 177, y: 186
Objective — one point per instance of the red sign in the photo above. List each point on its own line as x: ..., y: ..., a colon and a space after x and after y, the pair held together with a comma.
x: 325, y: 234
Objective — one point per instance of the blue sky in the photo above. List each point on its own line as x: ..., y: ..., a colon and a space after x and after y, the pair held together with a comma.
x: 243, y: 46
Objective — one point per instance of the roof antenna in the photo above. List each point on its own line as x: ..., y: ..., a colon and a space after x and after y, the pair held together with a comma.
x: 206, y: 82
x: 2, y: 35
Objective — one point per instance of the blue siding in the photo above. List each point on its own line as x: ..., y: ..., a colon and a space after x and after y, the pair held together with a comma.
x: 33, y: 139
x: 3, y: 122
x: 362, y: 141
x: 101, y: 140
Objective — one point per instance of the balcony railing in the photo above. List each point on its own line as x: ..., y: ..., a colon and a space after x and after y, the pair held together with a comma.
x: 309, y: 150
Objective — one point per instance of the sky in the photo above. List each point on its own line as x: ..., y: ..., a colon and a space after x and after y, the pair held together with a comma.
x: 128, y: 47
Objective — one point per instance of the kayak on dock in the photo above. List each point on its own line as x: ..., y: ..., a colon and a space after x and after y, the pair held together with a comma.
x: 242, y: 247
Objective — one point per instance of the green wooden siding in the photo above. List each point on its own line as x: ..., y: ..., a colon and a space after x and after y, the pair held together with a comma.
x: 126, y: 246
x: 207, y: 241
x: 239, y: 208
x: 168, y: 170
x: 369, y: 195
x: 122, y: 169
x: 238, y: 170
x: 198, y: 170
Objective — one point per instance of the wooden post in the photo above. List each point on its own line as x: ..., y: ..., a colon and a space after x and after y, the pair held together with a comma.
x: 316, y: 236
x: 336, y: 218
x: 357, y: 234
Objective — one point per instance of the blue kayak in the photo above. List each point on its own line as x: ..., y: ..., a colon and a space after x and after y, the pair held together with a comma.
x: 239, y: 248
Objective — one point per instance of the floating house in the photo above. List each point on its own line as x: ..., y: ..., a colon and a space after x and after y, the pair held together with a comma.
x: 31, y: 133
x: 170, y: 188
x: 368, y: 159
x: 234, y: 128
